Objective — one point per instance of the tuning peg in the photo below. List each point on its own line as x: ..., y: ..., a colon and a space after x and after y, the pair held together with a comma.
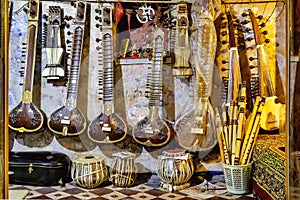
x: 224, y: 62
x: 33, y: 2
x: 259, y: 17
x: 97, y: 17
x: 224, y: 42
x: 262, y: 24
x: 251, y: 58
x: 265, y: 32
x: 249, y: 48
x: 252, y: 66
x: 97, y: 25
x: 245, y: 14
x: 45, y: 16
x: 249, y: 39
x: 245, y: 22
x: 98, y: 48
x: 224, y: 33
x: 98, y: 39
x: 68, y: 41
x: 267, y: 41
x: 223, y: 69
x: 69, y: 33
x: 223, y: 25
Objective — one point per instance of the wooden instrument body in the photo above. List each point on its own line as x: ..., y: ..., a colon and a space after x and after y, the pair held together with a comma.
x: 155, y: 132
x: 67, y: 121
x: 107, y: 128
x: 270, y: 115
x: 26, y: 116
x: 196, y: 130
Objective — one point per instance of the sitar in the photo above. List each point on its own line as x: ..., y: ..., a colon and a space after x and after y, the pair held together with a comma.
x: 69, y: 120
x: 196, y: 128
x: 152, y: 130
x: 108, y: 126
x: 26, y: 116
x: 54, y: 51
x: 182, y: 51
x: 271, y: 111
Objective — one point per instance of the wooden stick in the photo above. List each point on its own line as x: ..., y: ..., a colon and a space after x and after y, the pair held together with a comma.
x: 242, y: 104
x: 221, y: 139
x: 230, y: 122
x: 225, y: 127
x: 249, y: 126
x: 234, y: 129
x: 252, y: 134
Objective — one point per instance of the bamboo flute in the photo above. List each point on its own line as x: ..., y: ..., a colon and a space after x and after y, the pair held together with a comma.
x: 242, y: 104
x: 225, y: 127
x: 230, y: 123
x: 253, y: 144
x: 221, y: 139
x: 252, y: 134
x: 249, y: 126
x: 234, y: 129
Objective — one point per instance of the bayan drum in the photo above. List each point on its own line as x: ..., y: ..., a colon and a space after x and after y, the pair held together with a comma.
x: 123, y: 170
x: 89, y: 171
x: 175, y: 168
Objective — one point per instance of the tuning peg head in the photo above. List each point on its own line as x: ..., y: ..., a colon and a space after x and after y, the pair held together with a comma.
x: 249, y: 48
x: 252, y: 66
x: 245, y: 22
x: 223, y: 69
x: 251, y: 58
x: 224, y: 33
x: 267, y: 41
x: 265, y: 32
x: 224, y: 62
x: 249, y: 39
x: 260, y: 17
x: 224, y: 42
x: 245, y: 14
x: 262, y: 24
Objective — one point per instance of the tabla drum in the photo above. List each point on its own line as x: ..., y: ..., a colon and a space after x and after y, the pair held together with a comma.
x: 175, y: 167
x: 123, y: 169
x: 89, y: 171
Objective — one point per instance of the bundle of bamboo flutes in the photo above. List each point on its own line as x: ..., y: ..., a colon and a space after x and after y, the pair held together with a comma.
x: 237, y: 133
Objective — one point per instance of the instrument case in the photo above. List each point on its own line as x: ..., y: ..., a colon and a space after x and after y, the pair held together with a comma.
x: 41, y: 168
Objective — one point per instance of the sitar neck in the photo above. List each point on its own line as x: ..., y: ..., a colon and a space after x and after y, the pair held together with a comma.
x: 156, y: 80
x: 31, y: 50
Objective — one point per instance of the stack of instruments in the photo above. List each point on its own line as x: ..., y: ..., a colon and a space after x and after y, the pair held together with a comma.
x: 238, y: 132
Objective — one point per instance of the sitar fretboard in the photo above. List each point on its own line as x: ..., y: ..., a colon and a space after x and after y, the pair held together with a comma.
x: 107, y: 68
x: 157, y: 62
x: 75, y: 63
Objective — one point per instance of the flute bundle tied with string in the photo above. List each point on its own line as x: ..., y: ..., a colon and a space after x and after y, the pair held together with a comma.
x: 237, y: 133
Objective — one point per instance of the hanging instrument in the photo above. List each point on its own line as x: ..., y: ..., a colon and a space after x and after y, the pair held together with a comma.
x: 108, y: 126
x: 271, y: 110
x: 26, y: 116
x: 182, y: 51
x: 195, y: 129
x: 152, y: 130
x: 54, y: 51
x: 69, y: 120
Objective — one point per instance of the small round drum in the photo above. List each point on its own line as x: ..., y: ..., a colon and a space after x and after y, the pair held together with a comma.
x: 123, y: 170
x: 175, y: 167
x: 89, y: 171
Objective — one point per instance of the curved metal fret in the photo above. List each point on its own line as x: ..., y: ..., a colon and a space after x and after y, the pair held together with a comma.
x: 75, y: 63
